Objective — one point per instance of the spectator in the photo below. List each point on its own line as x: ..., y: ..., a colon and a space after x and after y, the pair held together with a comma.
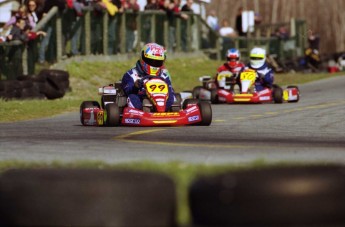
x: 172, y: 9
x: 23, y: 14
x: 312, y: 54
x: 227, y: 33
x: 17, y: 31
x: 185, y: 17
x: 21, y: 31
x: 151, y: 5
x: 35, y: 11
x: 239, y: 28
x: 226, y: 30
x: 45, y: 43
x: 131, y: 7
x: 72, y: 25
x: 313, y: 40
x: 113, y: 29
x: 257, y: 18
x: 212, y: 20
x: 282, y: 33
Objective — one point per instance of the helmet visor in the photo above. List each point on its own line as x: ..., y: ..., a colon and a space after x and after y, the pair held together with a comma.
x: 232, y: 59
x: 256, y: 58
x: 152, y: 62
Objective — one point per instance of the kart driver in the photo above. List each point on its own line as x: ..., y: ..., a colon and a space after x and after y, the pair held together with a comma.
x: 233, y: 64
x: 258, y: 63
x: 151, y: 63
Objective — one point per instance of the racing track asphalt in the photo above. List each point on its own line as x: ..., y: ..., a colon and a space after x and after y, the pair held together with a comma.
x: 311, y: 130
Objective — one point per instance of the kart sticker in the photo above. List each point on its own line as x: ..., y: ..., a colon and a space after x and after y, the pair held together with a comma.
x: 100, y: 118
x: 248, y: 75
x: 157, y: 87
x: 193, y: 118
x: 136, y: 111
x: 286, y: 95
x: 264, y: 98
x: 132, y: 121
x: 170, y: 114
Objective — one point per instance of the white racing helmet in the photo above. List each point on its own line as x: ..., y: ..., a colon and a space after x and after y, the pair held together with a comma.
x: 257, y: 57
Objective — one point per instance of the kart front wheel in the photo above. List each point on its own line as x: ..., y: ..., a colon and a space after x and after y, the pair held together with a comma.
x: 113, y: 114
x: 189, y: 102
x: 206, y: 113
x: 87, y: 104
x: 196, y: 92
x: 214, y: 96
x: 277, y: 94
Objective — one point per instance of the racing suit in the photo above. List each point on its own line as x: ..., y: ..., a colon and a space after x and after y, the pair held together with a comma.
x: 234, y: 70
x: 265, y: 77
x: 136, y: 95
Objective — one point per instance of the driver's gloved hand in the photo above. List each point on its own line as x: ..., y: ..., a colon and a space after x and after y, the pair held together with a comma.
x: 139, y: 83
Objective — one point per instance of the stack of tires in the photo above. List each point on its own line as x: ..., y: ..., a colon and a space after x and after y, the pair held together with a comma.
x: 48, y: 83
x: 274, y: 196
x: 86, y: 197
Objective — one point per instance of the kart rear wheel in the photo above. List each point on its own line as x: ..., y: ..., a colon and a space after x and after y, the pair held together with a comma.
x: 293, y: 86
x: 113, y: 114
x: 188, y: 102
x: 206, y: 113
x: 196, y: 92
x: 87, y: 104
x: 277, y: 94
x: 214, y: 96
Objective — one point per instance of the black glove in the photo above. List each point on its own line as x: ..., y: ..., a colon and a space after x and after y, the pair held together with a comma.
x: 139, y: 83
x: 261, y: 76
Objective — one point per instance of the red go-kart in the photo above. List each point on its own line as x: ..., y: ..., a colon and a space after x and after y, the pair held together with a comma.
x: 228, y: 91
x: 114, y: 111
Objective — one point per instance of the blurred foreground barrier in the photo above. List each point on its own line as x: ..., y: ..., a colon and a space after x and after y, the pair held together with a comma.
x: 85, y: 197
x: 277, y: 196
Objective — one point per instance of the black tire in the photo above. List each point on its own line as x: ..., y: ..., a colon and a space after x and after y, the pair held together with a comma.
x: 2, y: 85
x: 214, y: 96
x: 121, y: 101
x: 196, y: 92
x: 277, y: 94
x: 52, y: 91
x: 178, y: 98
x: 113, y: 114
x: 298, y: 95
x: 87, y: 104
x: 56, y: 82
x: 276, y: 196
x: 206, y: 113
x: 54, y: 74
x: 147, y: 105
x: 86, y: 197
x: 107, y: 98
x: 12, y: 89
x: 187, y: 102
x: 176, y: 106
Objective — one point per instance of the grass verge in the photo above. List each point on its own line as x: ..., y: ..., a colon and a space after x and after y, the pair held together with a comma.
x: 86, y: 77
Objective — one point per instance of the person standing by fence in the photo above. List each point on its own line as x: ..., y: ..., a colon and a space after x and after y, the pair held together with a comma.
x: 132, y: 8
x: 113, y: 37
x: 184, y: 24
